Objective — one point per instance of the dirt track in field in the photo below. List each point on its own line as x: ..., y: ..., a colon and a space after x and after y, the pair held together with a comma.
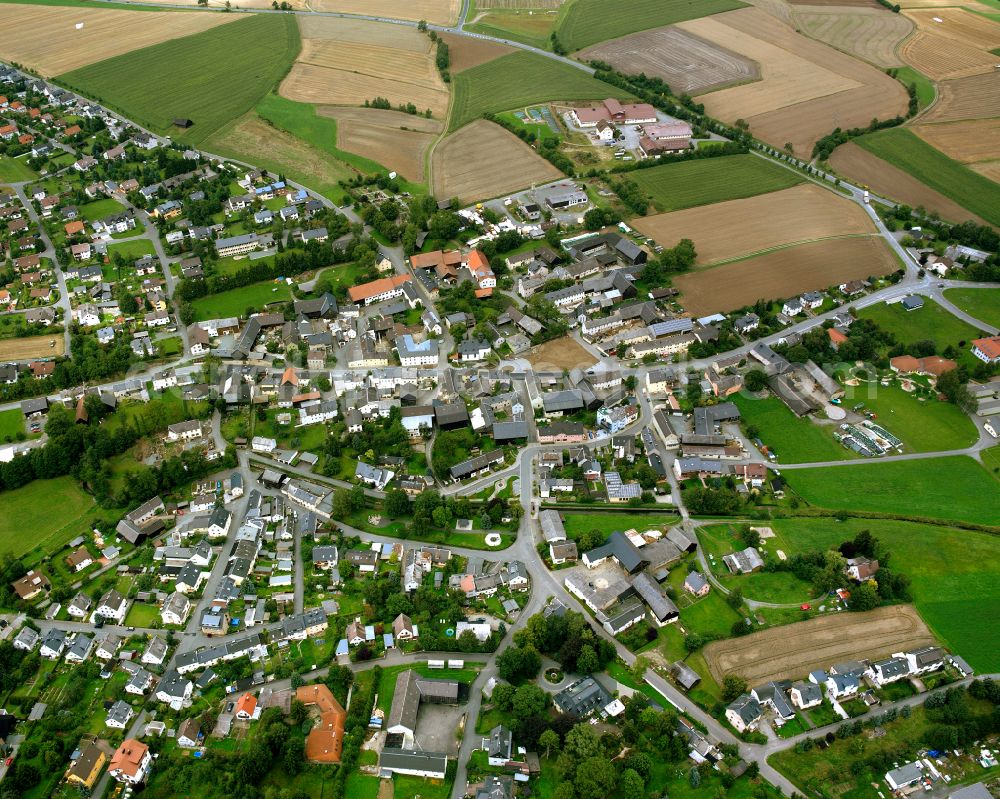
x: 17, y: 349
x: 860, y: 166
x: 45, y: 38
x: 396, y: 140
x: 794, y: 650
x: 783, y: 273
x: 783, y: 217
x: 482, y: 161
x: 562, y: 353
x: 686, y: 62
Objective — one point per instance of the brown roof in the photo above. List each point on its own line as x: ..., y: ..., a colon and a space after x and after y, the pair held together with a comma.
x: 366, y: 290
x: 80, y: 556
x: 31, y: 584
x: 325, y: 740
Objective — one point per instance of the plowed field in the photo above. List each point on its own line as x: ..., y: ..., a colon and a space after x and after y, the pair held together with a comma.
x: 396, y: 140
x: 466, y: 52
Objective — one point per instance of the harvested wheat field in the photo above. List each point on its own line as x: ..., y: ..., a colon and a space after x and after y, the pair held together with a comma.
x: 396, y: 140
x: 346, y: 62
x: 438, y: 12
x: 512, y: 5
x: 796, y: 649
x: 783, y: 273
x: 18, y: 349
x: 968, y: 141
x: 297, y: 5
x: 466, y: 52
x: 807, y: 88
x: 844, y: 3
x: 558, y: 355
x: 45, y: 38
x: 778, y: 9
x: 975, y: 97
x: 801, y: 213
x: 861, y: 166
x: 988, y: 169
x: 871, y: 34
x: 959, y: 24
x: 686, y: 62
x: 482, y: 160
x: 944, y: 58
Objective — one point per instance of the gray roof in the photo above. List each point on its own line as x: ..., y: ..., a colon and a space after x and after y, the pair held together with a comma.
x: 747, y: 708
x: 906, y: 774
x: 568, y: 400
x: 552, y: 526
x: 975, y: 791
x: 621, y: 549
x: 410, y: 760
x: 508, y: 431
x: 582, y: 697
x: 661, y: 606
x: 410, y: 689
x: 685, y: 675
x: 695, y: 581
x: 809, y: 691
x: 500, y: 741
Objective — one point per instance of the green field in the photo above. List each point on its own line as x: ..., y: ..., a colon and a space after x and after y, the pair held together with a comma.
x: 211, y: 77
x: 16, y: 170
x: 98, y: 209
x: 588, y: 22
x: 981, y: 304
x: 130, y: 250
x: 792, y: 439
x: 672, y: 187
x: 608, y: 523
x: 44, y: 513
x: 904, y: 149
x: 519, y: 25
x: 953, y: 488
x: 954, y: 574
x: 236, y: 301
x: 925, y: 86
x: 929, y: 323
x: 11, y: 423
x: 518, y: 80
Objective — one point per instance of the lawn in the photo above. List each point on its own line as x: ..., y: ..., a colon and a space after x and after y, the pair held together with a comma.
x: 168, y: 347
x: 588, y: 22
x: 954, y: 574
x: 923, y: 425
x: 518, y: 80
x: 130, y: 250
x: 226, y: 71
x: 672, y: 187
x: 991, y: 460
x: 44, y: 514
x: 904, y: 149
x: 952, y: 488
x: 16, y: 170
x: 924, y: 85
x: 792, y: 439
x: 981, y: 304
x: 142, y: 615
x: 236, y: 301
x: 99, y: 209
x: 929, y: 323
x: 11, y: 423
x: 607, y: 523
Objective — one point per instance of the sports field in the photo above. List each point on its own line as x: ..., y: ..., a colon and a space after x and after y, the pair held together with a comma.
x: 16, y: 170
x: 211, y: 78
x: 517, y: 80
x: 954, y: 574
x: 981, y: 304
x: 587, y: 22
x: 931, y: 322
x: 952, y: 488
x: 236, y: 301
x: 672, y: 187
x: 802, y: 213
x: 44, y: 514
x: 792, y: 439
x: 904, y: 149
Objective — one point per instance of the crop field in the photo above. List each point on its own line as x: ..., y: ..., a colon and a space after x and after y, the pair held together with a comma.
x: 806, y: 88
x: 466, y: 52
x: 861, y: 166
x: 968, y: 142
x: 33, y: 519
x: 673, y: 187
x: 440, y: 12
x: 46, y: 39
x: 347, y: 64
x: 47, y: 346
x: 236, y: 301
x: 904, y: 149
x: 483, y: 160
x: 988, y: 169
x: 954, y: 574
x: 561, y: 353
x: 688, y: 63
x: 518, y: 80
x: 975, y: 97
x: 588, y: 22
x: 871, y: 34
x: 794, y: 650
x: 396, y: 140
x: 981, y: 304
x: 954, y: 488
x: 547, y: 5
x: 931, y: 322
x: 944, y: 58
x: 254, y: 140
x: 226, y: 71
x: 531, y: 27
x: 802, y: 213
x: 783, y: 273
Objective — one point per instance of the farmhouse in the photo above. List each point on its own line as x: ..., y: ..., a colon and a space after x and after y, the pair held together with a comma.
x: 385, y: 288
x: 612, y: 110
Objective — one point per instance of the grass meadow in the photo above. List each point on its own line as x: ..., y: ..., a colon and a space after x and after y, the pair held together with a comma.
x: 792, y: 439
x: 931, y: 322
x: 907, y: 151
x: 981, y: 304
x: 236, y: 301
x: 518, y: 80
x: 588, y: 22
x: 672, y: 187
x: 954, y: 488
x: 16, y: 170
x: 44, y: 513
x: 211, y: 77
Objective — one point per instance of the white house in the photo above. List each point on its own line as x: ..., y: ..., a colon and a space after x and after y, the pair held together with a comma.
x: 112, y: 606
x: 744, y: 713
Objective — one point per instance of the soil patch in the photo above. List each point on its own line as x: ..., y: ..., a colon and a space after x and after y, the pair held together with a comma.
x: 466, y: 52
x: 561, y: 353
x: 396, y: 140
x: 18, y: 349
